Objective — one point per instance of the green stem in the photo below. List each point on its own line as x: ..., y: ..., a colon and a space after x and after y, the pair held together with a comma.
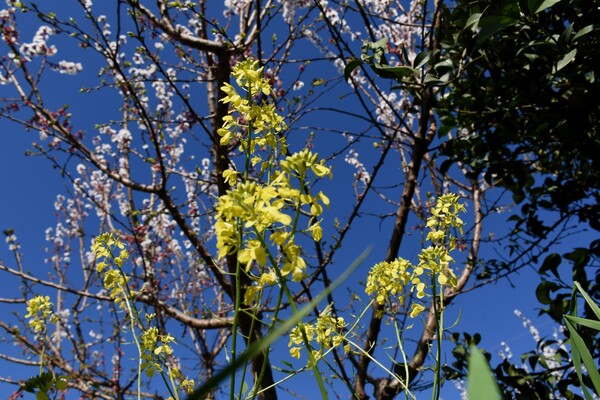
x: 291, y: 300
x: 238, y: 291
x: 134, y: 315
x: 137, y: 344
x: 440, y: 337
x: 436, y: 378
x: 238, y: 278
x: 271, y: 328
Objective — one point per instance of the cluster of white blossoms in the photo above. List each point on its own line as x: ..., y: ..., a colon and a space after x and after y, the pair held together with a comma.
x: 38, y: 47
x: 68, y: 67
x: 11, y: 240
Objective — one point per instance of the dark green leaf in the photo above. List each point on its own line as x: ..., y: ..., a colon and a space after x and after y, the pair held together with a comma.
x: 421, y: 59
x: 491, y: 25
x: 473, y: 21
x: 496, y: 20
x: 61, y: 383
x: 580, y: 257
x: 41, y: 396
x: 543, y: 291
x: 393, y: 72
x: 545, y: 5
x: 567, y: 58
x: 350, y: 67
x: 585, y: 30
x: 551, y: 263
x: 446, y: 166
x: 459, y: 351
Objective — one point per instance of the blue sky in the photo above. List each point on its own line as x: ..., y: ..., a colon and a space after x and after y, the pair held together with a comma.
x: 31, y: 185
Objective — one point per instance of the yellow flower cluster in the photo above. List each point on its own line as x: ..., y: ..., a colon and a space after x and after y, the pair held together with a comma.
x: 102, y: 249
x: 388, y: 279
x: 115, y: 281
x: 266, y: 279
x: 153, y: 344
x: 156, y: 350
x: 443, y: 217
x: 327, y: 332
x: 252, y: 217
x: 260, y: 208
x: 39, y: 311
x: 250, y: 124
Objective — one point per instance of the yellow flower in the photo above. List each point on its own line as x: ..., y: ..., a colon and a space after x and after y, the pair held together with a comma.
x: 268, y: 279
x: 187, y: 385
x: 39, y: 311
x: 316, y: 231
x: 253, y: 252
x: 416, y: 309
x: 294, y: 264
x: 388, y: 279
x: 295, y: 352
x: 230, y: 176
x: 327, y: 332
x: 250, y: 294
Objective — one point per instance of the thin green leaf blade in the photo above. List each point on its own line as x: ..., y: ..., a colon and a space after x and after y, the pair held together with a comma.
x: 590, y: 323
x: 581, y: 353
x: 480, y: 383
x: 258, y: 347
x: 589, y: 300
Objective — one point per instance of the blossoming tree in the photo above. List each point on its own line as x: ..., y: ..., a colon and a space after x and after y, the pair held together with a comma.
x: 209, y: 178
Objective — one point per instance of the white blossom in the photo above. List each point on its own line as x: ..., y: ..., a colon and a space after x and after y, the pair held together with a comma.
x: 69, y: 67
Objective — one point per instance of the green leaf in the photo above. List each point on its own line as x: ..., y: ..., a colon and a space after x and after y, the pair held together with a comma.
x: 580, y: 257
x: 496, y: 21
x: 589, y: 300
x: 543, y: 291
x: 41, y: 396
x: 480, y: 381
x: 567, y: 58
x: 473, y: 21
x: 551, y: 263
x: 585, y: 30
x: 579, y: 349
x: 581, y: 353
x: 546, y: 4
x: 491, y: 25
x: 459, y: 351
x: 421, y: 59
x: 378, y: 49
x: 61, y: 383
x: 590, y: 323
x: 350, y: 67
x: 42, y: 382
x: 393, y: 72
